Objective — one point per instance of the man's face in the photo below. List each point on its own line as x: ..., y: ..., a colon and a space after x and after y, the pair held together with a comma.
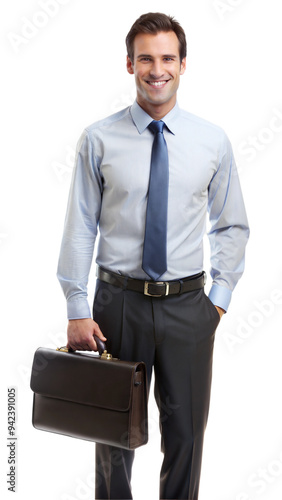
x: 157, y: 69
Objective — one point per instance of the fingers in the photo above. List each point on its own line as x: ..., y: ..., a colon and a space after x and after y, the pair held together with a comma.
x: 80, y: 335
x: 73, y: 346
x: 98, y: 332
x: 92, y: 344
x: 87, y: 345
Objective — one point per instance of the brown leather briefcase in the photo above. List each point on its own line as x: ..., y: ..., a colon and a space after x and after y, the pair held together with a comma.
x: 97, y: 398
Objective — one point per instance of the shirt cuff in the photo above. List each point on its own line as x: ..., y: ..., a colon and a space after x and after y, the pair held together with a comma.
x: 78, y: 309
x: 220, y: 296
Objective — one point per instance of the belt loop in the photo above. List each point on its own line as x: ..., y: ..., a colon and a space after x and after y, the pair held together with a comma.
x: 125, y: 281
x: 180, y: 287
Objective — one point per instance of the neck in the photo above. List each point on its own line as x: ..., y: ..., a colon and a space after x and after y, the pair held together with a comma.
x: 157, y: 112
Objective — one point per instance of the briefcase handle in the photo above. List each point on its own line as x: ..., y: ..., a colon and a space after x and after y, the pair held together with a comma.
x: 100, y: 345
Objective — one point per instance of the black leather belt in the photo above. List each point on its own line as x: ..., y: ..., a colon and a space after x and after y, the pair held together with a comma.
x: 153, y: 288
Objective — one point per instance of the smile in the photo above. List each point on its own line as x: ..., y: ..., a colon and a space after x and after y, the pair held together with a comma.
x: 157, y: 84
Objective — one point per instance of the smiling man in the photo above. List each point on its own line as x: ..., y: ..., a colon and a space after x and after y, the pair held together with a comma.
x: 157, y: 66
x: 147, y: 177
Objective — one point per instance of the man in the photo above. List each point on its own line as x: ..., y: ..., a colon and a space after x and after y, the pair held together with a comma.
x: 149, y: 302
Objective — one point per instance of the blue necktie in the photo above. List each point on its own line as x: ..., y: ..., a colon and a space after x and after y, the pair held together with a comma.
x: 154, y: 252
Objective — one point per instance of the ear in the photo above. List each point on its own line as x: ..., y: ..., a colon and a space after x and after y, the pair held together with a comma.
x: 183, y: 66
x: 129, y: 66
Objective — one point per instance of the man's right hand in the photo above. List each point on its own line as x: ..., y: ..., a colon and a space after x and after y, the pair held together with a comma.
x: 80, y: 334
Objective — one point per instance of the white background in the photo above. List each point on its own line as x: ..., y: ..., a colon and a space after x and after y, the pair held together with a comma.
x: 59, y: 78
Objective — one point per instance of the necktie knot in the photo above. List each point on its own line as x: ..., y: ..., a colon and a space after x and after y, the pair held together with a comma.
x: 156, y: 126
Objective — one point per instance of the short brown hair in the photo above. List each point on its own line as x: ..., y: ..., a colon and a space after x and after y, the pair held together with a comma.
x: 153, y: 23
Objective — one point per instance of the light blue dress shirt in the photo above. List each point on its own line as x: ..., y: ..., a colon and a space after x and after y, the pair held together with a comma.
x: 109, y: 193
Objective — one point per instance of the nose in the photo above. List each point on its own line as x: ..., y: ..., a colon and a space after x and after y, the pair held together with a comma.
x: 156, y: 70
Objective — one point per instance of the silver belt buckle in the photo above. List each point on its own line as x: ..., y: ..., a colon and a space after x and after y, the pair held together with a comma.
x: 148, y: 283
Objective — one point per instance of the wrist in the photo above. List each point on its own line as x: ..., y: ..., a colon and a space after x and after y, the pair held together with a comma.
x: 220, y: 311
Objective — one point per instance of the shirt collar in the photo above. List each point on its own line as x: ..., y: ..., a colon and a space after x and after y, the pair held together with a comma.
x: 141, y: 119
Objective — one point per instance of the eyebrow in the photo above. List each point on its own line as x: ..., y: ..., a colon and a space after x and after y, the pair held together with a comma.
x: 173, y: 56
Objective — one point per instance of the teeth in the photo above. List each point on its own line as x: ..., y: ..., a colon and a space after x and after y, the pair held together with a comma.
x: 157, y: 84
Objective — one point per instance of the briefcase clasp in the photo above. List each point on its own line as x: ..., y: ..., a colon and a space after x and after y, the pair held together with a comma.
x: 106, y: 355
x: 62, y: 349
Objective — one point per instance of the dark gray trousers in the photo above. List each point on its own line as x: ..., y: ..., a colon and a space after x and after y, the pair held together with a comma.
x: 175, y: 335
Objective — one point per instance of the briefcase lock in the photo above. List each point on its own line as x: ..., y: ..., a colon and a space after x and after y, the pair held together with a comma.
x: 106, y: 355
